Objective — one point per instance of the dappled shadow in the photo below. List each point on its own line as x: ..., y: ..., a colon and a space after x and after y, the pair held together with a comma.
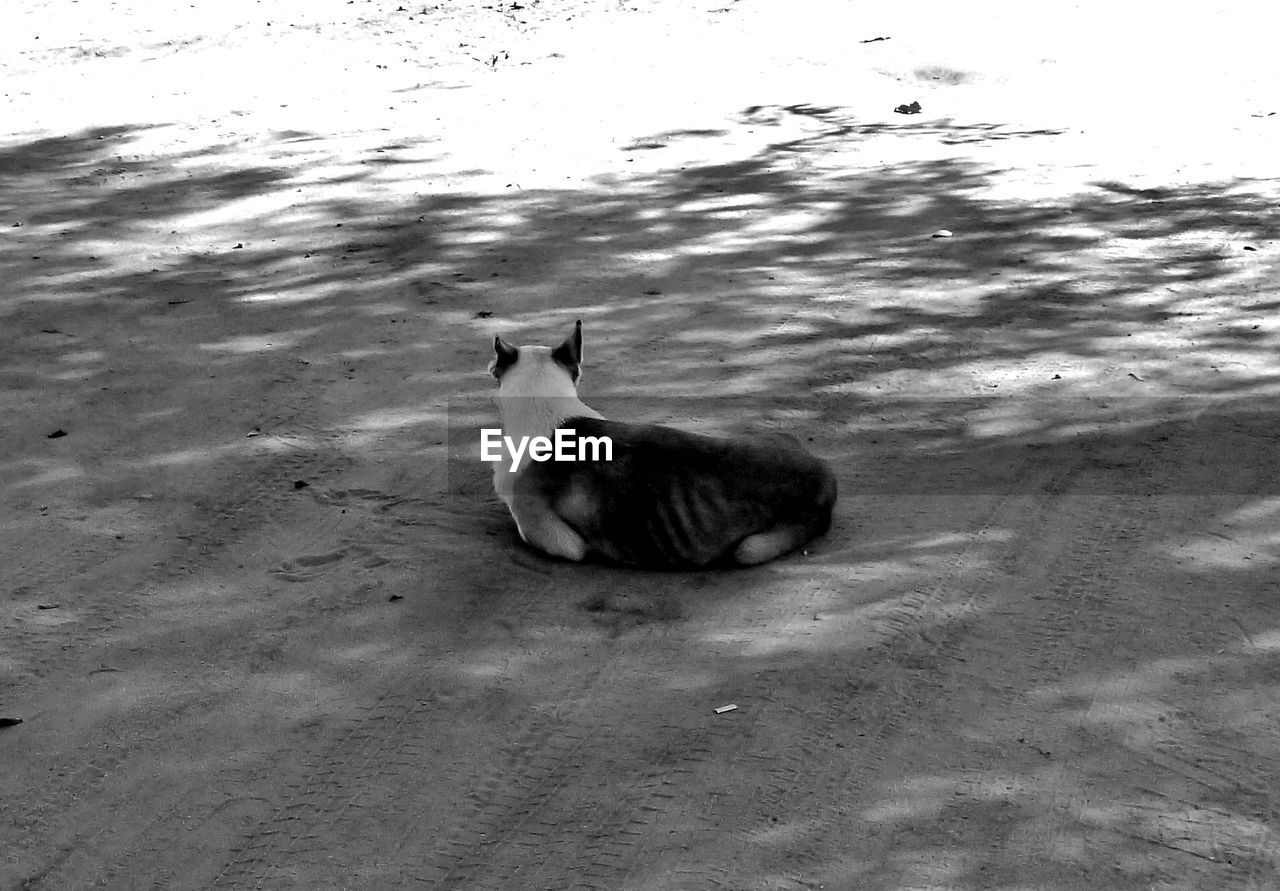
x: 1146, y: 772
x: 839, y: 127
x: 276, y: 327
x: 702, y: 248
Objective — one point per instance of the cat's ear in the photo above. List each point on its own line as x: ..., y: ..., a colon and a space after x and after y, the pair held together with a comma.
x: 569, y: 353
x: 505, y: 355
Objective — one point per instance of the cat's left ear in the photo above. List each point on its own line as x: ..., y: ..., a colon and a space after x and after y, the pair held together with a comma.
x: 505, y: 355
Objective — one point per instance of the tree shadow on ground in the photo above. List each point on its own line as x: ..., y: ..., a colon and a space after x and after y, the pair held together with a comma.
x: 792, y: 281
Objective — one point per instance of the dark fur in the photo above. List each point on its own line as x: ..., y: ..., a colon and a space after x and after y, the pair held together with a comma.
x: 675, y: 499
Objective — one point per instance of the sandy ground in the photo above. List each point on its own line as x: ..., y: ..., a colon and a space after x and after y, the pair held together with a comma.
x: 264, y: 625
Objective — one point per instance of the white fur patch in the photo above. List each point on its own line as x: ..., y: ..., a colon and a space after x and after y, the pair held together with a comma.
x: 534, y: 396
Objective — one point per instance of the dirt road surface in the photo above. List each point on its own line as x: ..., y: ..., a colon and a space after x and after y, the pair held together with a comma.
x: 263, y: 623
